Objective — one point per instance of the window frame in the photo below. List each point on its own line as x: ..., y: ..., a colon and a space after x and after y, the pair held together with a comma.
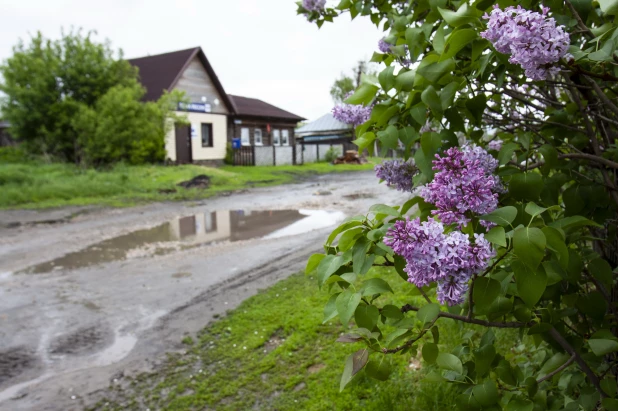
x: 248, y: 142
x: 285, y: 132
x: 211, y: 137
x: 278, y: 133
x: 255, y: 134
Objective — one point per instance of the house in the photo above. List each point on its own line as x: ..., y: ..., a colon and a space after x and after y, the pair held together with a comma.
x: 325, y: 133
x: 215, y: 117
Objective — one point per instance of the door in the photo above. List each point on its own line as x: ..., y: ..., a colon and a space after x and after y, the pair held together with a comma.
x: 183, y: 144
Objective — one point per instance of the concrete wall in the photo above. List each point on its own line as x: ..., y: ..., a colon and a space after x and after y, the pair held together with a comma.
x: 219, y: 131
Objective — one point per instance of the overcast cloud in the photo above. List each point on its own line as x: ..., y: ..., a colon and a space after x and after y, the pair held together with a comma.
x: 258, y: 49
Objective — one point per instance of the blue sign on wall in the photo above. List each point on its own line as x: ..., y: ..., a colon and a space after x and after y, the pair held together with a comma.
x: 235, y: 143
x: 195, y: 107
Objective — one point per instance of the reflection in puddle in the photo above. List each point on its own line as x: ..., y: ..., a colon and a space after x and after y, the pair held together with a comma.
x: 207, y: 227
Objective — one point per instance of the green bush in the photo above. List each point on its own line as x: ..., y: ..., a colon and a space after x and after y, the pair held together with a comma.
x: 331, y: 154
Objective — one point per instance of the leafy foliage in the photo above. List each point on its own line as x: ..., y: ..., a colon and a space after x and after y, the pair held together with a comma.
x: 74, y: 100
x: 554, y: 231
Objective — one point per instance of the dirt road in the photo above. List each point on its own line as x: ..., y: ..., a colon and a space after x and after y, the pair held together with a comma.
x: 90, y: 295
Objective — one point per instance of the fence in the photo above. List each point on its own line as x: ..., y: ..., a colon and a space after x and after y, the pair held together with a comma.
x: 285, y: 155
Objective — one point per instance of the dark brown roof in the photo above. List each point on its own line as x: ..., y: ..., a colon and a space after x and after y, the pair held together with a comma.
x: 162, y: 71
x: 246, y: 106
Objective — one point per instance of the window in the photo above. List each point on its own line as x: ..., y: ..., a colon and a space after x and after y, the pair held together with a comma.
x: 210, y: 222
x: 244, y: 137
x: 285, y: 137
x: 207, y: 135
x: 276, y: 137
x: 257, y: 136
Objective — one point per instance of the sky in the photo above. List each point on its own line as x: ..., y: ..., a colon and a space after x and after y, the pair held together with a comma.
x: 259, y: 49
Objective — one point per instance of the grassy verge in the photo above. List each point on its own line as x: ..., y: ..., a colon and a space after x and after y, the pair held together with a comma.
x: 273, y: 352
x: 30, y: 184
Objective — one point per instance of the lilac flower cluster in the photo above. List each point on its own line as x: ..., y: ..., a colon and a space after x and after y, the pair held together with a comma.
x: 397, y: 173
x: 533, y: 40
x: 383, y: 46
x: 464, y: 183
x: 495, y: 144
x: 432, y: 256
x: 354, y: 114
x: 314, y: 5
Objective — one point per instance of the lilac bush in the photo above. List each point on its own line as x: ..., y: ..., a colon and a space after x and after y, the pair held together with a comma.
x: 433, y: 256
x: 495, y: 145
x: 532, y: 39
x: 463, y: 185
x: 383, y: 46
x: 397, y: 174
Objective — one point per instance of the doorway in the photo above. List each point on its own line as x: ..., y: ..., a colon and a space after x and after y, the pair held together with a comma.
x: 183, y: 144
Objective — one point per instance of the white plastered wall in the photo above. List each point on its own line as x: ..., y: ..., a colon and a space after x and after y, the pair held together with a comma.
x: 219, y: 131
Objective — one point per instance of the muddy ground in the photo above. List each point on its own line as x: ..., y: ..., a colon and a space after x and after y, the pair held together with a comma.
x: 69, y: 330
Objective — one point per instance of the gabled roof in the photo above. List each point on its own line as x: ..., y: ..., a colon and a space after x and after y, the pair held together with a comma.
x: 162, y: 71
x: 325, y: 124
x: 246, y: 106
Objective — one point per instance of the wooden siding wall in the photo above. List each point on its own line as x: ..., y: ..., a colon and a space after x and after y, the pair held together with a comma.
x: 252, y: 124
x: 196, y: 82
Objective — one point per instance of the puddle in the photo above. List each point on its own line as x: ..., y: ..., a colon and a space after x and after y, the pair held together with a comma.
x: 209, y: 227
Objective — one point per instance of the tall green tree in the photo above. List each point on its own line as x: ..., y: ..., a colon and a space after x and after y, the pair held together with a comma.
x: 48, y: 82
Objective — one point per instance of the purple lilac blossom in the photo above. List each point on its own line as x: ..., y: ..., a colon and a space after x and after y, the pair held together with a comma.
x: 432, y: 256
x: 383, y: 46
x: 495, y: 145
x: 464, y: 183
x: 354, y: 114
x: 533, y: 39
x: 314, y: 5
x: 397, y: 173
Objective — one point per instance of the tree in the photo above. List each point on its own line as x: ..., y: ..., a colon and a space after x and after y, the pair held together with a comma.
x: 346, y: 84
x: 51, y: 87
x: 514, y: 225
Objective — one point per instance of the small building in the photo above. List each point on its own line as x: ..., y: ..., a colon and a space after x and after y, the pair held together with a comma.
x: 215, y: 117
x: 323, y: 134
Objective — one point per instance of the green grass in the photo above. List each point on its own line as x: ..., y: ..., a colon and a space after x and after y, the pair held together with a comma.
x: 36, y: 184
x: 273, y: 352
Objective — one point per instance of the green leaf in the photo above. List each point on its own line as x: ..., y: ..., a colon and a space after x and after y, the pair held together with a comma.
x: 502, y: 216
x: 389, y: 137
x: 384, y: 209
x: 343, y: 227
x: 526, y: 186
x: 457, y: 41
x: 348, y: 238
x: 550, y: 157
x: 486, y: 290
x: 379, y: 370
x: 529, y: 245
x: 506, y: 153
x: 430, y: 352
x: 486, y: 394
x: 327, y: 267
x: 448, y: 361
x: 346, y: 304
x: 405, y: 80
x: 365, y: 140
x: 330, y: 309
x: 363, y: 95
x: 496, y: 236
x: 483, y: 357
x: 505, y: 372
x: 431, y: 98
x: 602, y: 271
x: 476, y: 106
x: 366, y: 316
x: 572, y: 222
x: 447, y: 95
x: 517, y: 404
x: 359, y: 254
x: 428, y: 313
x: 375, y: 286
x: 313, y: 262
x: 354, y: 363
x: 530, y: 282
x: 391, y: 311
x: 609, y: 7
x: 555, y: 242
x: 463, y: 15
x: 434, y: 71
x: 387, y: 79
x: 603, y: 347
x: 430, y: 143
x: 555, y: 362
x: 610, y: 404
x: 533, y: 209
